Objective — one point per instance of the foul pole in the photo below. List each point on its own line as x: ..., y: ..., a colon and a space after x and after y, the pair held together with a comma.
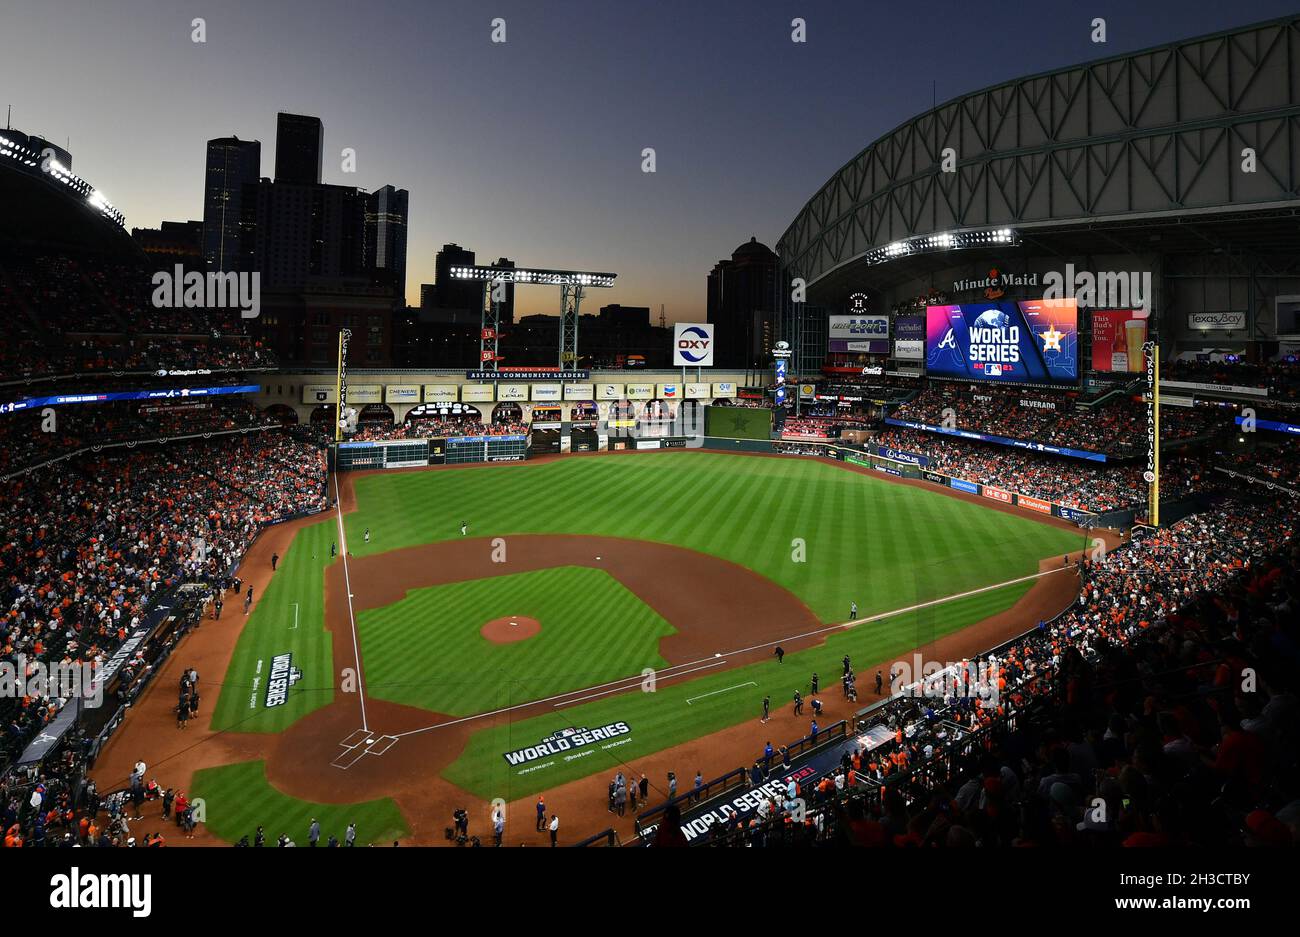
x: 340, y: 383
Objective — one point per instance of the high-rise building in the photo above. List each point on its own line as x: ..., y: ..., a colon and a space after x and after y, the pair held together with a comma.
x: 294, y: 232
x: 386, y: 214
x: 299, y: 148
x: 463, y: 297
x: 231, y: 164
x: 742, y: 304
x: 507, y: 312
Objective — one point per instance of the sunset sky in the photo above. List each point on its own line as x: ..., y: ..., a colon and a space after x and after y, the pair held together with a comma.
x: 531, y: 148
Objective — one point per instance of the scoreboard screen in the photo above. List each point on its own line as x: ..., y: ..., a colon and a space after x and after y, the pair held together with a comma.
x: 1035, y: 341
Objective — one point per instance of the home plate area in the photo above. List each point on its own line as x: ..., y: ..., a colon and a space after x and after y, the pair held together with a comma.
x: 360, y: 743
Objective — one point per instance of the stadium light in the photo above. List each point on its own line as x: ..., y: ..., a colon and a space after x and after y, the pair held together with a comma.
x: 534, y: 276
x: 943, y: 241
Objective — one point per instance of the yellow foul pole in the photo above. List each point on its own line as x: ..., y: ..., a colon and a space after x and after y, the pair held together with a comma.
x: 338, y: 392
x: 1155, y: 469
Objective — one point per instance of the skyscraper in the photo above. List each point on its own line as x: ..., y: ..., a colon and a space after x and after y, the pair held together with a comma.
x: 386, y: 214
x: 299, y: 148
x: 742, y: 304
x: 231, y: 163
x: 460, y: 295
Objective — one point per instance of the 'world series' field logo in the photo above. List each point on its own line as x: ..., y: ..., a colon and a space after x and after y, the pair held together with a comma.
x: 283, y: 675
x: 102, y: 890
x: 565, y: 740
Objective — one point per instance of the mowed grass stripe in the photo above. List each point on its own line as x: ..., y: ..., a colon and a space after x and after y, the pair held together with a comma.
x: 661, y: 719
x: 426, y: 650
x: 238, y: 798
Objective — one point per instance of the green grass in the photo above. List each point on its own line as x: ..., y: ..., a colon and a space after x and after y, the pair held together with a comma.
x: 236, y: 798
x: 661, y: 719
x: 883, y: 545
x: 426, y: 650
x: 298, y: 581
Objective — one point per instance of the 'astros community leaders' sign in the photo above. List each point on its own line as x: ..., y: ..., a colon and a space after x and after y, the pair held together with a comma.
x: 566, y: 740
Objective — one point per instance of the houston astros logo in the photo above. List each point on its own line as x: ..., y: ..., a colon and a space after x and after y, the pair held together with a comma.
x: 1051, y: 338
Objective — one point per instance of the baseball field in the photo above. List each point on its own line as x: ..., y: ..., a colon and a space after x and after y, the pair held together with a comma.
x: 594, y: 614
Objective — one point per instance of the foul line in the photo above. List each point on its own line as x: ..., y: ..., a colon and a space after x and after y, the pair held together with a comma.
x: 627, y: 682
x: 347, y: 586
x: 692, y: 699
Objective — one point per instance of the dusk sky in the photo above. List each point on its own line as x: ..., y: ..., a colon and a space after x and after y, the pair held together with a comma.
x: 531, y: 149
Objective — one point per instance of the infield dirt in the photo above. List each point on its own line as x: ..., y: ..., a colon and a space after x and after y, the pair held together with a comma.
x: 715, y: 606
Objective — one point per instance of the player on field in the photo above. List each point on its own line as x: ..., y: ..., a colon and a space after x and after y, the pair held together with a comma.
x: 464, y: 527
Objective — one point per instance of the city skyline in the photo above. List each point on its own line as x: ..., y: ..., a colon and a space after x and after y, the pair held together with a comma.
x: 745, y: 123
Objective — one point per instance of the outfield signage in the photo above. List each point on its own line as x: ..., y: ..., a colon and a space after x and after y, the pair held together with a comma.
x: 441, y: 393
x: 900, y: 455
x: 565, y: 741
x: 546, y: 392
x: 579, y: 392
x: 724, y: 389
x: 527, y: 374
x: 693, y: 344
x: 1034, y: 504
x: 935, y: 477
x: 478, y: 393
x: 365, y: 393
x: 996, y: 494
x: 962, y: 485
x: 609, y: 391
x: 1000, y: 440
x: 697, y: 391
x: 640, y: 391
x: 402, y: 393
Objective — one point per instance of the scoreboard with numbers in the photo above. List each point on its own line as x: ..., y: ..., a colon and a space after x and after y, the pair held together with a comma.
x: 401, y: 453
x: 461, y: 449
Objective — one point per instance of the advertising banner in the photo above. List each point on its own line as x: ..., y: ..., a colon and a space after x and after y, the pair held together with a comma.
x: 1217, y: 321
x: 512, y: 392
x: 1117, y: 338
x: 858, y: 328
x: 579, y: 392
x: 1034, y: 504
x: 693, y: 345
x: 962, y: 485
x: 670, y: 391
x: 935, y: 477
x: 900, y: 455
x: 402, y: 393
x: 441, y: 393
x: 698, y: 392
x: 546, y: 392
x: 478, y: 393
x: 365, y: 393
x: 319, y: 393
x: 997, y: 494
x: 640, y: 391
x: 724, y: 389
x: 1032, y: 341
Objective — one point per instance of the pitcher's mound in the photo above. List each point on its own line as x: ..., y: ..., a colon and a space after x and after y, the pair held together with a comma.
x: 509, y: 630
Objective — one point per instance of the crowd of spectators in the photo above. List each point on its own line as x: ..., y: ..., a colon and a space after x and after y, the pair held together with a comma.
x: 424, y: 428
x: 1160, y: 710
x: 88, y: 545
x: 73, y: 314
x: 1116, y: 427
x: 1281, y: 378
x: 32, y: 437
x: 1075, y: 483
x: 809, y: 428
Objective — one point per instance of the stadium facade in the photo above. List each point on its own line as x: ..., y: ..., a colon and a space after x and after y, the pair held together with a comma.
x: 1179, y: 161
